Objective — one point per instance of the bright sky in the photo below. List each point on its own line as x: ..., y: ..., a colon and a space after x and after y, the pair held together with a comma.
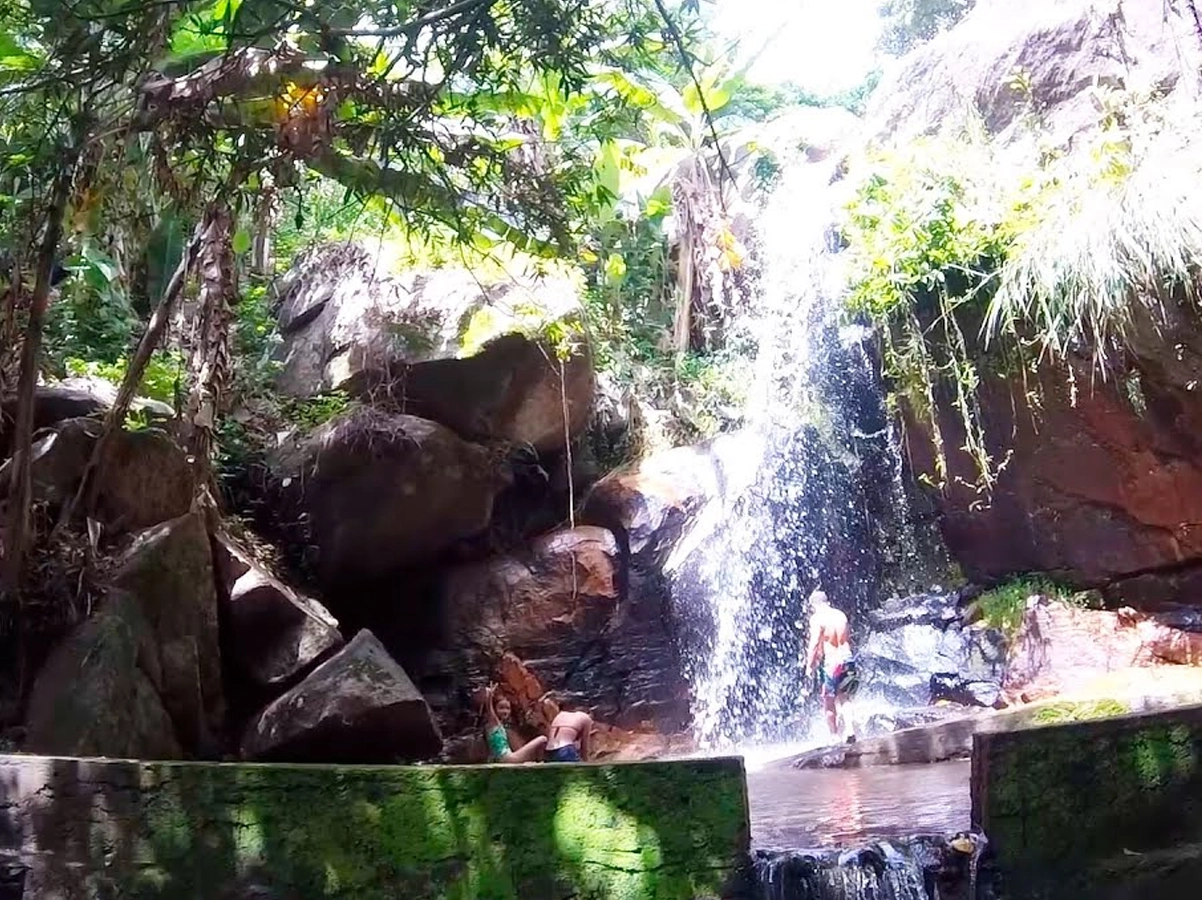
x: 822, y: 45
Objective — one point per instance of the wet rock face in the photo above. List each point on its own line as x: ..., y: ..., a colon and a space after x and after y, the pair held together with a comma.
x: 438, y: 344
x: 562, y: 610
x: 1105, y: 490
x: 918, y: 651
x: 379, y: 492
x: 271, y: 632
x: 650, y: 506
x: 358, y: 706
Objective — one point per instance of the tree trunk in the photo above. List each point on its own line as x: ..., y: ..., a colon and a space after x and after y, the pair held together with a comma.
x: 20, y: 487
x: 210, y: 364
x: 682, y: 322
x: 262, y: 256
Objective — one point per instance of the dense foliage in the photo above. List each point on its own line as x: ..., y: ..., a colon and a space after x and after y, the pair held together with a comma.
x: 974, y: 259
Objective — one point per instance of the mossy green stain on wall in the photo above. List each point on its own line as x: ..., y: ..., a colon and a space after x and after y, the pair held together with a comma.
x: 659, y: 831
x: 1065, y: 797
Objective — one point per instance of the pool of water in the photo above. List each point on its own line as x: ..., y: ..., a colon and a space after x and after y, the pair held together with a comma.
x: 793, y: 808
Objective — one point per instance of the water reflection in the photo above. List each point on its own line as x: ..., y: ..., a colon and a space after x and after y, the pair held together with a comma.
x: 791, y: 808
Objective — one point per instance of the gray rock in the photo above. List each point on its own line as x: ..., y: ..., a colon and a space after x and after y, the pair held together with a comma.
x: 92, y: 699
x: 439, y: 344
x: 1063, y: 46
x: 358, y: 706
x: 917, y: 652
x: 272, y: 633
x: 380, y: 492
x: 168, y: 572
x: 71, y: 398
x: 148, y: 479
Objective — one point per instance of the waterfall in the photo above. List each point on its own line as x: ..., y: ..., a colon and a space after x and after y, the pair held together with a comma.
x: 824, y: 506
x: 880, y: 872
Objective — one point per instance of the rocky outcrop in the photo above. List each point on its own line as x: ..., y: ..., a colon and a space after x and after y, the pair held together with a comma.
x: 358, y: 706
x: 437, y: 344
x: 651, y: 505
x: 1061, y: 649
x: 561, y: 608
x: 378, y: 492
x: 92, y: 699
x: 147, y: 479
x: 1061, y: 49
x: 168, y: 572
x: 72, y: 398
x: 918, y: 650
x: 1102, y: 486
x: 1102, y: 478
x: 271, y: 632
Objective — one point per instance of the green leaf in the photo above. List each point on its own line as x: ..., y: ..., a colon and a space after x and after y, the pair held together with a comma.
x: 659, y: 203
x: 615, y: 269
x: 241, y: 242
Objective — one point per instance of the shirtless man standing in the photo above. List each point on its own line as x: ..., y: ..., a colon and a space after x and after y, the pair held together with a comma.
x: 830, y: 649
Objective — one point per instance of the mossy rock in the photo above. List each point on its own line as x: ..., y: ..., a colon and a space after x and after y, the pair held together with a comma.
x: 654, y: 831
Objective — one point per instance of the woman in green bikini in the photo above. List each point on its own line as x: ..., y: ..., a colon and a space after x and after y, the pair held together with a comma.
x: 496, y: 713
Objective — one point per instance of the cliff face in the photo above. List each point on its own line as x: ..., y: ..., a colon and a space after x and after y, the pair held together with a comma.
x: 1102, y: 479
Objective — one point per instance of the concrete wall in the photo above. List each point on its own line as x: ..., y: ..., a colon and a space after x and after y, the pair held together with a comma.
x: 1108, y: 808
x: 101, y: 829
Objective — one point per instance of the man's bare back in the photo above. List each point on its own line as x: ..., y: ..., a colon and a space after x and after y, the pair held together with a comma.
x: 830, y: 653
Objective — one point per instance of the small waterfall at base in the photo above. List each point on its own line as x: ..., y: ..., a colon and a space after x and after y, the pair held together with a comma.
x: 826, y: 504
x: 867, y: 873
x: 919, y: 869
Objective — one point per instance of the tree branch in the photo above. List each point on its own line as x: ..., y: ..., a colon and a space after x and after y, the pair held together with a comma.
x: 20, y: 494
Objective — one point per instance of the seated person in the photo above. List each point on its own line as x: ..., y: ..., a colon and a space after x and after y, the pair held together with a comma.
x: 571, y: 734
x: 497, y: 712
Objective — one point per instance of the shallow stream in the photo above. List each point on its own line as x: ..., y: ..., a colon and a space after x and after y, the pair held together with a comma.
x: 793, y: 808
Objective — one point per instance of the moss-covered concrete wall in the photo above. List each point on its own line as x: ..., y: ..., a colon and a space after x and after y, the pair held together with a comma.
x: 1109, y: 806
x: 101, y: 829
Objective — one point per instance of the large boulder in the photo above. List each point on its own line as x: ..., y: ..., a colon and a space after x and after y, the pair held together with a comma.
x: 656, y: 503
x: 358, y: 706
x: 1061, y: 48
x: 561, y: 607
x: 168, y: 572
x: 380, y: 491
x: 91, y: 698
x: 71, y: 398
x: 438, y: 344
x: 918, y: 650
x: 272, y: 633
x: 148, y: 479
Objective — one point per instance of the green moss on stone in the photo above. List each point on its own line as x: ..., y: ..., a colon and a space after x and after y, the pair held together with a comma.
x: 1081, y: 711
x: 1058, y: 799
x: 667, y: 831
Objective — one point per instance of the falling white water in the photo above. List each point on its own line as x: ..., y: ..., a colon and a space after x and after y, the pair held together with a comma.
x: 807, y: 497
